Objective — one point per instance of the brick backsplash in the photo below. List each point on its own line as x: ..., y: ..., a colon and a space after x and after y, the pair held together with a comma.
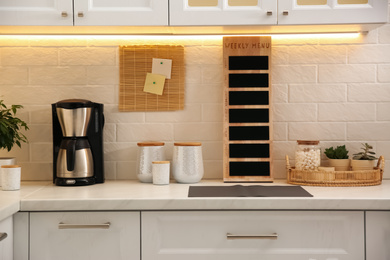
x: 332, y: 89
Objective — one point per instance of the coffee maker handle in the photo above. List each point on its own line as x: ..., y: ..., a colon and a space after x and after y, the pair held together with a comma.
x: 70, y: 154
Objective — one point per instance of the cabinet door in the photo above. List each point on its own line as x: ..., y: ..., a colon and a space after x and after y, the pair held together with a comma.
x: 222, y: 12
x: 121, y: 12
x: 378, y: 235
x: 36, y: 12
x: 332, y: 11
x: 6, y: 239
x: 276, y: 235
x: 85, y: 235
x: 21, y: 230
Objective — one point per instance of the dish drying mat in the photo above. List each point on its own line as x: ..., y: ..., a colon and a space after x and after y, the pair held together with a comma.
x: 248, y: 191
x: 135, y: 62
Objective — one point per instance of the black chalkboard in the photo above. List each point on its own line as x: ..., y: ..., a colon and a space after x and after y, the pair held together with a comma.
x: 249, y: 150
x: 257, y: 115
x: 246, y: 80
x: 249, y: 168
x: 244, y: 133
x: 248, y: 63
x: 248, y: 98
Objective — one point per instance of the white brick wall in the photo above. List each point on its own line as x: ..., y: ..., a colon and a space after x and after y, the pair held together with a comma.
x: 331, y: 89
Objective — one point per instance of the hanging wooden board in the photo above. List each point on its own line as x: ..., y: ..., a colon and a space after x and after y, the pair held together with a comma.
x: 135, y: 63
x: 247, y: 109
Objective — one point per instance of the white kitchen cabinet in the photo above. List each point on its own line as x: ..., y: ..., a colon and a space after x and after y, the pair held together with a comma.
x: 84, y: 12
x: 378, y: 235
x: 121, y: 12
x: 298, y: 12
x: 37, y: 12
x: 271, y: 235
x: 84, y: 235
x: 281, y: 12
x: 21, y: 239
x: 6, y: 239
x: 223, y: 12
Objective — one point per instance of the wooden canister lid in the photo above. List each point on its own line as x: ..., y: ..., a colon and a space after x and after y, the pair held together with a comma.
x: 188, y: 144
x: 10, y: 166
x: 160, y: 162
x: 151, y: 144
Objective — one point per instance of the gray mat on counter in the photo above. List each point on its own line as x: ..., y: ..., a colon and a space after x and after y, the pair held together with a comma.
x: 248, y: 191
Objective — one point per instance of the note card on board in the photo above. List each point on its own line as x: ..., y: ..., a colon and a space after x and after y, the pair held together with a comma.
x: 154, y: 83
x: 162, y: 67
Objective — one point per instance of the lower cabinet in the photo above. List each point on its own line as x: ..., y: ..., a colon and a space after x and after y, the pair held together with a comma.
x: 85, y: 235
x: 378, y: 235
x: 271, y: 235
x: 6, y: 239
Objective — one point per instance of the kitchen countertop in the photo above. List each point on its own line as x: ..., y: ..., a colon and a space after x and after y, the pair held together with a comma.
x: 133, y: 195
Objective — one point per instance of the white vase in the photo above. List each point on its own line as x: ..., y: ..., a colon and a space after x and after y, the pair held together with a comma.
x: 6, y: 161
x: 340, y: 164
x: 362, y: 165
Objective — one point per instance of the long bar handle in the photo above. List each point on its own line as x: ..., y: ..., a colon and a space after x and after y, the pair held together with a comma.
x: 3, y: 236
x: 84, y: 226
x: 273, y: 236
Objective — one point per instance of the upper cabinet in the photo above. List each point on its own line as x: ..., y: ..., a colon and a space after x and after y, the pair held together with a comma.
x: 223, y: 12
x: 120, y: 12
x: 117, y: 14
x: 295, y: 12
x: 281, y: 12
x: 84, y: 12
x: 37, y: 12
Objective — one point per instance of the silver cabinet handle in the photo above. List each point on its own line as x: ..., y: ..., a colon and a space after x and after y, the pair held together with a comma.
x: 3, y: 236
x: 272, y: 236
x: 80, y: 14
x: 269, y: 12
x: 84, y: 226
x: 285, y: 13
x: 64, y: 14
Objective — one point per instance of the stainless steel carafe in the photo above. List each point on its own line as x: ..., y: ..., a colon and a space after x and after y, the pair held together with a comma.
x: 74, y: 157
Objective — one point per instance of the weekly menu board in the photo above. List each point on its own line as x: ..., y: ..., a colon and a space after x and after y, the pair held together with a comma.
x: 151, y: 78
x: 247, y: 109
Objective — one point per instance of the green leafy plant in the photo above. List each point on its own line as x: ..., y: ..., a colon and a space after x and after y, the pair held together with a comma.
x: 340, y: 152
x: 366, y: 154
x: 11, y: 126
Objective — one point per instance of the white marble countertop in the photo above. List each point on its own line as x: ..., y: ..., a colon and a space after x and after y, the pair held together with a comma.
x: 133, y: 195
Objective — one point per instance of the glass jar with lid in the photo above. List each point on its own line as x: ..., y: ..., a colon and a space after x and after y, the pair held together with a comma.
x: 307, y: 155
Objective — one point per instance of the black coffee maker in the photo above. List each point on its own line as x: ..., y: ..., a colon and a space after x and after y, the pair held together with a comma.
x: 77, y: 142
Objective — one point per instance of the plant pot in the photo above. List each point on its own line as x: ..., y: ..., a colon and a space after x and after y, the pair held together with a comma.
x: 340, y: 164
x: 6, y: 161
x: 362, y: 165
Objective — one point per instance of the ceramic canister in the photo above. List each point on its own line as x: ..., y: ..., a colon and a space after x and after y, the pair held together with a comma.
x: 160, y: 170
x: 187, y: 162
x: 6, y: 161
x: 10, y: 177
x: 147, y: 153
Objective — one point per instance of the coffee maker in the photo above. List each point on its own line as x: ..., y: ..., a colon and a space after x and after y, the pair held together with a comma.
x: 77, y: 142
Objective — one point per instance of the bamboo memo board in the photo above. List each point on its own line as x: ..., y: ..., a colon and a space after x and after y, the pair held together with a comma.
x: 247, y: 109
x: 135, y: 62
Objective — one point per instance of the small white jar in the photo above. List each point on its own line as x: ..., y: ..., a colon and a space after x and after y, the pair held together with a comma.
x: 6, y: 161
x: 147, y: 153
x: 10, y: 177
x: 187, y: 162
x: 307, y: 155
x: 160, y: 170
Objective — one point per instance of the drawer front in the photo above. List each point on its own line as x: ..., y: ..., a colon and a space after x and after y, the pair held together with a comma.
x: 378, y: 235
x: 85, y: 235
x: 274, y: 235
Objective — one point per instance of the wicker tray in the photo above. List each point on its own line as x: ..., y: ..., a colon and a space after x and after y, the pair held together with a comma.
x: 336, y: 178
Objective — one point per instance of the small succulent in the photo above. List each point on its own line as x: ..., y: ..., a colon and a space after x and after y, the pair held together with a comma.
x: 340, y: 152
x: 366, y: 154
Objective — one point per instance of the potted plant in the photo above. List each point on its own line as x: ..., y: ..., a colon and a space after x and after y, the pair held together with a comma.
x: 364, y: 160
x: 10, y: 130
x: 338, y: 158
